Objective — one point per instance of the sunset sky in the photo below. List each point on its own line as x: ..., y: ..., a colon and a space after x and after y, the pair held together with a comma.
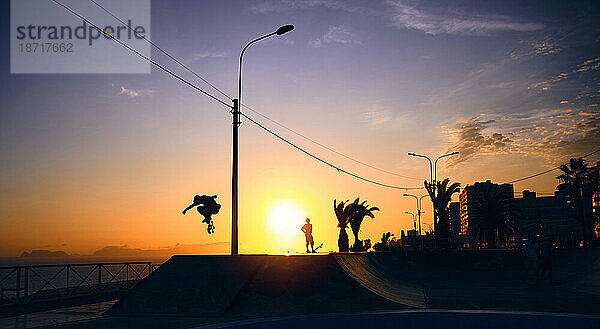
x: 95, y: 160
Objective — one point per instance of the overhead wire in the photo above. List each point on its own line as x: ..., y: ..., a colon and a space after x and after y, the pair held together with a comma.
x: 324, y: 161
x: 547, y: 171
x: 339, y: 169
x: 250, y: 108
x: 327, y: 147
x: 144, y: 56
x: 163, y: 51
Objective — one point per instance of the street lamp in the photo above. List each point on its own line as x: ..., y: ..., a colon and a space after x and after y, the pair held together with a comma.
x: 433, y: 177
x: 413, y: 217
x: 430, y: 164
x: 419, y: 212
x: 435, y: 164
x: 432, y: 171
x: 237, y: 103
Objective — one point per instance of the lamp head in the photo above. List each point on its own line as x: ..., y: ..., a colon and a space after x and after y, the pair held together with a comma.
x: 410, y: 153
x: 405, y: 194
x: 284, y: 29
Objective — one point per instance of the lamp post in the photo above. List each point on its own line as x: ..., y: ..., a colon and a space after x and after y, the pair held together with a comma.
x: 237, y: 103
x: 432, y: 176
x: 435, y: 164
x: 419, y: 212
x: 414, y: 219
x: 432, y: 165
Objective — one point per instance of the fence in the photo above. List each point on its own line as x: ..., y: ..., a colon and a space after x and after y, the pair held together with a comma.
x: 21, y: 285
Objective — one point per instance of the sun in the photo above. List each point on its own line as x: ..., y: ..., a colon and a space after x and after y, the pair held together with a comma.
x: 286, y: 218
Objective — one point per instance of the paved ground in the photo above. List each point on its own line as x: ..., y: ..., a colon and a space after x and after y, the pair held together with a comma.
x: 62, y: 315
x: 419, y: 319
x: 190, y: 291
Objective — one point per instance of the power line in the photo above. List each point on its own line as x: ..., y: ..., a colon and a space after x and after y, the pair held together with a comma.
x: 222, y: 102
x: 248, y: 107
x: 163, y: 51
x: 324, y: 161
x: 144, y: 56
x: 327, y: 147
x: 547, y: 171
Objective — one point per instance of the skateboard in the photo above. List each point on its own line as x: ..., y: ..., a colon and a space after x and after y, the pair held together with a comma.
x: 317, y: 248
x: 210, y: 228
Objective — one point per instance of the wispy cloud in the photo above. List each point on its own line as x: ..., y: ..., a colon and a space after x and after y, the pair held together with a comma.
x: 214, y: 54
x: 405, y: 15
x: 470, y: 140
x: 532, y: 49
x: 336, y: 34
x: 553, y: 134
x: 134, y: 93
x: 376, y: 118
x: 587, y: 65
x: 268, y: 7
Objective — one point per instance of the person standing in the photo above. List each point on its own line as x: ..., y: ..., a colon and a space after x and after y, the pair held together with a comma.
x: 546, y: 248
x: 531, y: 257
x: 307, y: 229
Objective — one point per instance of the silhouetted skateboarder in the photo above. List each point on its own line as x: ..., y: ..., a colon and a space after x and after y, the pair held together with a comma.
x: 307, y: 229
x: 206, y: 206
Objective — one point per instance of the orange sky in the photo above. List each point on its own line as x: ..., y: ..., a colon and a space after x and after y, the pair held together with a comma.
x: 95, y: 160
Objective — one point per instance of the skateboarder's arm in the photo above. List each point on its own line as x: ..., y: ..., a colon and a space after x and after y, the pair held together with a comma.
x: 188, y: 208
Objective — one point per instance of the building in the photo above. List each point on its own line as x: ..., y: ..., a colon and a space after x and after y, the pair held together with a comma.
x: 596, y: 202
x: 469, y: 195
x: 457, y: 238
x: 549, y: 216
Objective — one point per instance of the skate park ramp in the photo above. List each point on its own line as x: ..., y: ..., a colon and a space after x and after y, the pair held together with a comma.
x: 381, y: 275
x: 256, y: 285
x: 226, y: 288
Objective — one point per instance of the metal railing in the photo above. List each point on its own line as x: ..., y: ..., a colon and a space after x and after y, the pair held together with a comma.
x: 24, y: 284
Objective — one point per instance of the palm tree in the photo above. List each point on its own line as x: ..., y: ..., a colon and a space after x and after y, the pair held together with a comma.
x: 441, y: 195
x: 342, y: 212
x: 494, y: 217
x: 578, y: 182
x: 387, y: 239
x: 358, y: 213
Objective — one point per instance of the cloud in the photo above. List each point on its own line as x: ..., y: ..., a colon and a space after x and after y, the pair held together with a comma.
x: 336, y: 34
x: 132, y: 93
x: 555, y: 134
x: 431, y: 21
x: 376, y: 118
x: 545, y: 46
x: 269, y: 7
x: 214, y: 54
x: 585, y: 66
x: 471, y: 141
x: 591, y: 64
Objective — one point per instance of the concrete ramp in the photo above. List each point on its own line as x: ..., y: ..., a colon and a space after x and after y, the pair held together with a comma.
x: 261, y: 285
x: 190, y: 285
x: 248, y: 286
x: 382, y: 275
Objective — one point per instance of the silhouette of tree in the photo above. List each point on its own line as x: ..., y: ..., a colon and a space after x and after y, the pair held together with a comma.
x: 578, y: 182
x: 358, y: 213
x: 441, y: 197
x: 342, y: 212
x: 493, y: 217
x: 386, y: 242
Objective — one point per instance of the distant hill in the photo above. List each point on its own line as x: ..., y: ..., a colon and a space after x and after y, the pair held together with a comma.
x: 125, y: 251
x: 178, y: 249
x: 42, y: 253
